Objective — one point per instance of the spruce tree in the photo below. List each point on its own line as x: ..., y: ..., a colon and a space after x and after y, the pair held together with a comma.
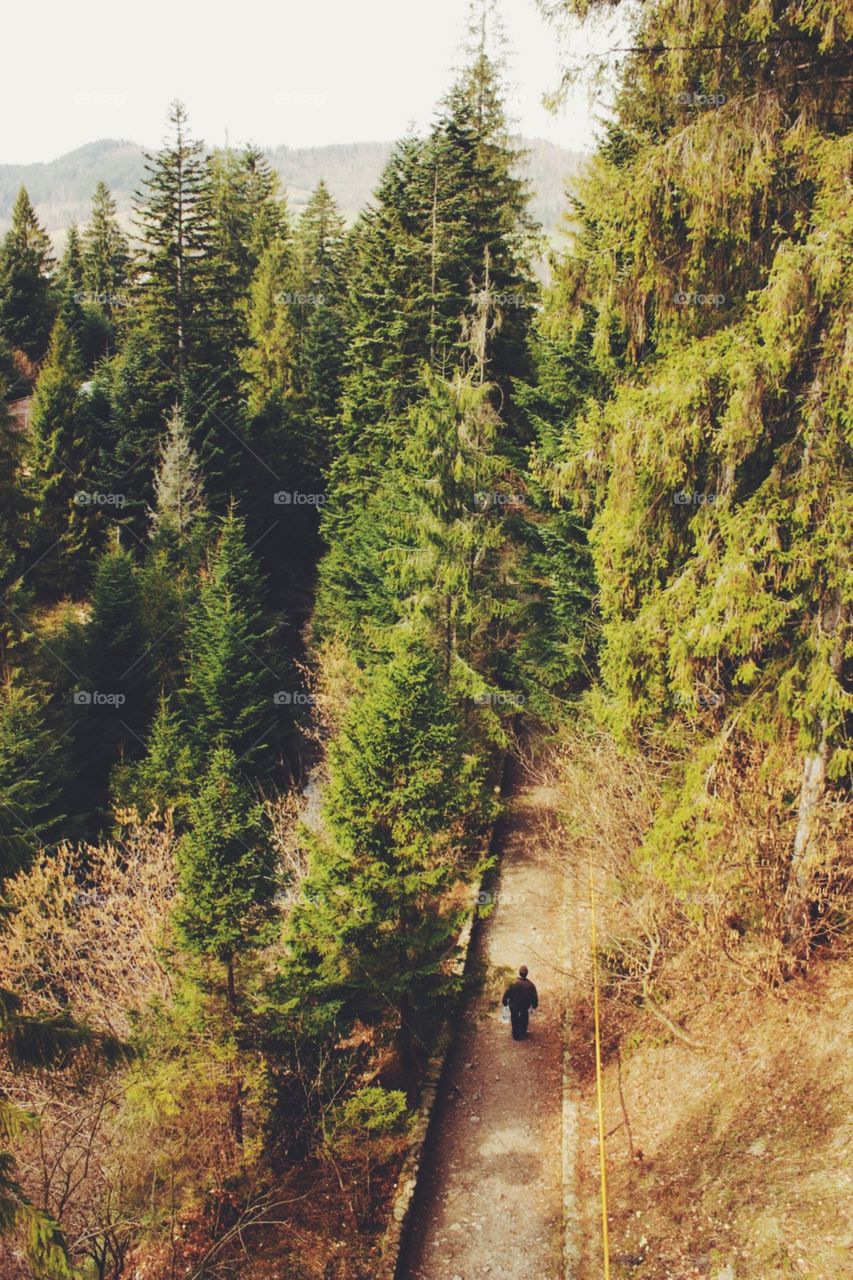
x: 226, y: 875
x: 376, y: 927
x: 86, y: 321
x: 113, y: 700
x: 231, y: 672
x: 27, y: 306
x: 711, y: 256
x: 106, y: 256
x: 14, y: 514
x: 188, y: 306
x: 317, y: 303
x: 179, y: 510
x: 163, y: 779
x: 31, y: 772
x: 60, y: 469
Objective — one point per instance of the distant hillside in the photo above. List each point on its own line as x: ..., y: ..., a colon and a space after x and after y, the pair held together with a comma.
x: 61, y: 189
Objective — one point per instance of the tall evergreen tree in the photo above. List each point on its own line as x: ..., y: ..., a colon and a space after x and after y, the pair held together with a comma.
x: 713, y: 476
x: 60, y: 467
x: 31, y: 771
x: 27, y: 307
x: 375, y: 928
x: 231, y: 672
x: 14, y: 514
x: 113, y: 700
x: 106, y: 255
x: 226, y: 874
x: 187, y: 300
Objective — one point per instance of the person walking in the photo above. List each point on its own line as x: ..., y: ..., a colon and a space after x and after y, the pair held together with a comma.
x: 521, y: 996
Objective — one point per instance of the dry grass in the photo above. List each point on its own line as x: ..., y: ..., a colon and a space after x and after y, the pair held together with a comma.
x: 745, y: 1147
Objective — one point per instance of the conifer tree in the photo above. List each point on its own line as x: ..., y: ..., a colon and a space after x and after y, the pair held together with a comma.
x: 269, y: 354
x: 113, y: 699
x: 106, y: 255
x: 231, y: 673
x: 27, y: 307
x: 317, y: 305
x: 402, y: 802
x: 163, y: 779
x: 60, y: 468
x: 226, y: 874
x: 187, y: 298
x: 31, y: 770
x: 86, y: 321
x: 14, y: 513
x: 179, y: 506
x: 711, y: 474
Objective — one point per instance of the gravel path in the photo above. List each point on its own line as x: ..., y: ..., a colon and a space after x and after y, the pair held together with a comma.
x: 490, y: 1202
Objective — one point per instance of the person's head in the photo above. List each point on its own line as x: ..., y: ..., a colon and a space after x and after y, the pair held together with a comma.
x: 522, y: 973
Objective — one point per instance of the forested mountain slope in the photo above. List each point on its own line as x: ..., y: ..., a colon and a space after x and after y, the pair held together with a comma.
x: 313, y: 523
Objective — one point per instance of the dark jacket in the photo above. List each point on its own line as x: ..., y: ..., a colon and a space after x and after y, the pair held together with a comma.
x: 521, y: 995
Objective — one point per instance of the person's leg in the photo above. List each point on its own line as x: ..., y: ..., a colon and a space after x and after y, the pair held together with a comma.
x: 515, y: 1018
x: 522, y: 1023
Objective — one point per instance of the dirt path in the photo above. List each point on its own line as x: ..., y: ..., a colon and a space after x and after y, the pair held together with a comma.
x: 490, y: 1202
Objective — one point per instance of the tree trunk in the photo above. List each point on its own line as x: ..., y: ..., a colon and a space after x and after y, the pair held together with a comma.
x: 797, y: 880
x: 236, y: 1083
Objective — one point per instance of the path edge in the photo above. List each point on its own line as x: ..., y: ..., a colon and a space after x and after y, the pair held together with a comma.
x: 394, y: 1237
x: 569, y: 1137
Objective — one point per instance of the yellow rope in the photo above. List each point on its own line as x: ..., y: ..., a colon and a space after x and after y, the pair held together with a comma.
x: 604, y: 1236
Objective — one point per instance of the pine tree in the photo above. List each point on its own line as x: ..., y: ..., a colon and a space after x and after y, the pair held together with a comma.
x: 179, y: 511
x: 60, y: 468
x: 113, y: 701
x: 231, y: 672
x: 226, y: 874
x: 31, y: 771
x: 316, y: 303
x: 27, y: 305
x: 711, y: 255
x: 106, y: 256
x: 376, y: 927
x: 188, y: 305
x: 163, y: 779
x: 14, y: 514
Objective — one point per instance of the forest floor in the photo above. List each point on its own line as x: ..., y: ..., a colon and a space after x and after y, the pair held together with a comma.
x: 490, y: 1202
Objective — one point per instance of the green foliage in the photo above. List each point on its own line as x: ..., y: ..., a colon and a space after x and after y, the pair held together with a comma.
x: 60, y: 458
x: 113, y: 699
x: 231, y: 680
x: 27, y: 306
x: 31, y: 773
x: 403, y: 809
x: 226, y: 866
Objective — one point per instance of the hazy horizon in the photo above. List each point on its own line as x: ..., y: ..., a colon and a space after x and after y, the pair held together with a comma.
x: 331, y: 75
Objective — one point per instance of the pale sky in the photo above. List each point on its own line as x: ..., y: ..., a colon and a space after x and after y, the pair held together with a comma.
x: 298, y: 72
